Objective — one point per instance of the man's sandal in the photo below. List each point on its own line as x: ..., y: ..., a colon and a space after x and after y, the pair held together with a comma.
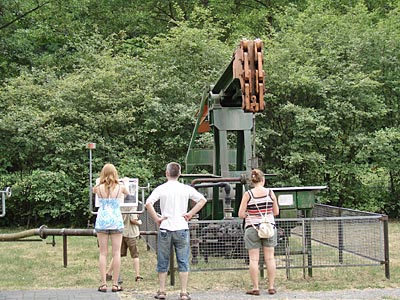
x: 160, y: 295
x: 138, y: 278
x: 116, y: 288
x: 253, y: 292
x: 184, y: 296
x: 102, y: 288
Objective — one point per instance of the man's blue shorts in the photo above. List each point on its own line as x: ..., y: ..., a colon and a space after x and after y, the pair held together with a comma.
x: 180, y: 240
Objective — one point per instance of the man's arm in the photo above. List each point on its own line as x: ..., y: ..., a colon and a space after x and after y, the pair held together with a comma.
x: 156, y: 217
x: 134, y: 219
x: 195, y: 209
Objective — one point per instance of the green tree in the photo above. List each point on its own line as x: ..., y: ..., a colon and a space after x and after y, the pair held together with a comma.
x: 327, y: 93
x: 131, y: 107
x: 74, y: 72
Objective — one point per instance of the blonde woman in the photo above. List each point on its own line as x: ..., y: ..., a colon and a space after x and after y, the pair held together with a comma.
x: 256, y: 203
x: 109, y: 223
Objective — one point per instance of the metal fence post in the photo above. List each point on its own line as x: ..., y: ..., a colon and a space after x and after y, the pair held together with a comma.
x: 386, y: 244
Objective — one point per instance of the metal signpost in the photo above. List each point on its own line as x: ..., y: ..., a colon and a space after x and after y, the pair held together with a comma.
x: 4, y: 194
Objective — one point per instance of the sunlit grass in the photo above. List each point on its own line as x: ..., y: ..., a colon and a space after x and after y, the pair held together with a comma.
x: 39, y: 265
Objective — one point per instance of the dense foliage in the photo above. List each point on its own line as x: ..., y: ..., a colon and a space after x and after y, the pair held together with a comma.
x: 129, y: 76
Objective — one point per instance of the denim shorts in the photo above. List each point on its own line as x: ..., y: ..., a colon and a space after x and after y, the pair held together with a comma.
x: 109, y: 231
x: 180, y: 240
x: 253, y: 241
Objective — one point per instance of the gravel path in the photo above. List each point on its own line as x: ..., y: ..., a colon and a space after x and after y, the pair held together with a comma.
x: 368, y: 294
x: 87, y: 294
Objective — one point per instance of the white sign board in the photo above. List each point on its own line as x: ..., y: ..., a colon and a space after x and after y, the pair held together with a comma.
x: 131, y: 200
x: 286, y: 200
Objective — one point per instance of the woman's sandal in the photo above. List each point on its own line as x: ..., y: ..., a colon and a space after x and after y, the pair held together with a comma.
x: 271, y: 291
x: 102, y: 288
x: 138, y: 278
x: 184, y: 296
x: 116, y: 288
x: 160, y: 295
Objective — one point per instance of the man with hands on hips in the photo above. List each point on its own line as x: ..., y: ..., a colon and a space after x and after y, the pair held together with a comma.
x: 173, y: 226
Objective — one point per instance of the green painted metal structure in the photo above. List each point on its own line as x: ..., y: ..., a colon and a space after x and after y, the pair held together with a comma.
x: 227, y: 112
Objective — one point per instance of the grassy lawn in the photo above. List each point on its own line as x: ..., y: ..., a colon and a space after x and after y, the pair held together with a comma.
x: 39, y: 265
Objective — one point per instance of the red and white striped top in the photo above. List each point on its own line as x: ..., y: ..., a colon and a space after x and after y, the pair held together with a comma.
x: 258, y: 207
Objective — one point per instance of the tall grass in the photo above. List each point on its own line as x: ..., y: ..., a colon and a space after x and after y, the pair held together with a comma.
x: 39, y: 265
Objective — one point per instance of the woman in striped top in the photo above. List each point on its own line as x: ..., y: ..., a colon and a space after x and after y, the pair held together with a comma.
x: 256, y: 203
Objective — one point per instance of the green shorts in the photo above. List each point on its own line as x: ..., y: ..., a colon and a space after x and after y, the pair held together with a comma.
x: 252, y: 240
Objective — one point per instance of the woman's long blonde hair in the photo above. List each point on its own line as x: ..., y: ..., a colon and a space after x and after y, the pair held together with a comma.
x: 109, y: 177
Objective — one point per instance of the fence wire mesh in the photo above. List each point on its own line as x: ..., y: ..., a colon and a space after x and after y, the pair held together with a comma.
x: 331, y: 237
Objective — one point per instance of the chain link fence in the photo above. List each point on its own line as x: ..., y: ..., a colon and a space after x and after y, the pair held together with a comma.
x: 331, y: 237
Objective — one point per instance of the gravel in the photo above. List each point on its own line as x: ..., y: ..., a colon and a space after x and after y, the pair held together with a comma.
x: 367, y: 294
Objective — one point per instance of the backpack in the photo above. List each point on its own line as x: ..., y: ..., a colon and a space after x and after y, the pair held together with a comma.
x: 265, y: 229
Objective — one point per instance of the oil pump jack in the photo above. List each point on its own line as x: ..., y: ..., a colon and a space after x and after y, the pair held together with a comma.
x: 227, y: 110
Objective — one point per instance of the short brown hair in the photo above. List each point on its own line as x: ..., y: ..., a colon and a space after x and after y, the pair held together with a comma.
x: 174, y: 169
